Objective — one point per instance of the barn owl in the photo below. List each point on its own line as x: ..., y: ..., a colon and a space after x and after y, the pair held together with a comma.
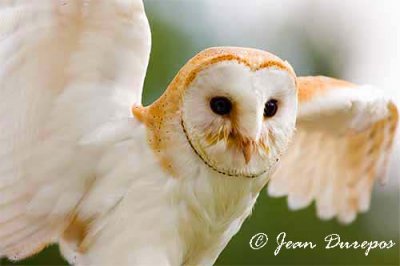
x: 85, y: 165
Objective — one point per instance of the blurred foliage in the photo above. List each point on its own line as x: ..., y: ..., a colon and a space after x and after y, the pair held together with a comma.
x: 172, y: 47
x: 308, y: 55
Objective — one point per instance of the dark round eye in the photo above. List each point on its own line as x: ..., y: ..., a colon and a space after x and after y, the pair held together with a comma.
x: 221, y: 105
x: 271, y: 107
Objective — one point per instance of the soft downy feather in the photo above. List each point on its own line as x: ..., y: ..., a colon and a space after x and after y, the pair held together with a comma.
x: 68, y: 68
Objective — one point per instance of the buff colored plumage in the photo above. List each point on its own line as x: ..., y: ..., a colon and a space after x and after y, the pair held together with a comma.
x: 346, y: 132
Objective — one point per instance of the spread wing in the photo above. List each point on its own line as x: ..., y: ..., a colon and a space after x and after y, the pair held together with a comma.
x: 341, y: 148
x: 67, y: 68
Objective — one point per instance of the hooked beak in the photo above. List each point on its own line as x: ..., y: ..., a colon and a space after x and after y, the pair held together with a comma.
x: 247, y: 146
x: 247, y: 150
x: 249, y: 130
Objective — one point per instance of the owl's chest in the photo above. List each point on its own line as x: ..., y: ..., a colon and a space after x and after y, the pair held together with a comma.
x: 207, y: 241
x: 208, y: 220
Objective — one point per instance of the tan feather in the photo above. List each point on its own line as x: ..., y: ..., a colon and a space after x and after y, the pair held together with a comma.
x: 338, y: 168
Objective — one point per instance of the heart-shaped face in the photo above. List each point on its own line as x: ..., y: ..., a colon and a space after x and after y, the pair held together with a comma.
x: 230, y: 110
x: 238, y: 120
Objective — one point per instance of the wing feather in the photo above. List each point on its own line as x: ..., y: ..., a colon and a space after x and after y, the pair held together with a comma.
x: 67, y: 67
x: 342, y: 146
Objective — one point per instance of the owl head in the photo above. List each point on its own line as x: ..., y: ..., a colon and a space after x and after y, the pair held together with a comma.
x: 231, y: 110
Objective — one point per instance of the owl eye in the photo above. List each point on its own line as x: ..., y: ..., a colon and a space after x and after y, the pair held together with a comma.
x: 271, y: 107
x: 221, y: 105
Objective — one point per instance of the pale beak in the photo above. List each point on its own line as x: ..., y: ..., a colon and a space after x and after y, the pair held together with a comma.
x: 247, y: 150
x: 249, y: 127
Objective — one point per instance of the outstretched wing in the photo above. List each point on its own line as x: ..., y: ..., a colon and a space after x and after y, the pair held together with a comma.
x: 67, y: 68
x: 343, y: 140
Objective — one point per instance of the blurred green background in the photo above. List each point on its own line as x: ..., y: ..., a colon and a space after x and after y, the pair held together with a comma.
x: 311, y: 39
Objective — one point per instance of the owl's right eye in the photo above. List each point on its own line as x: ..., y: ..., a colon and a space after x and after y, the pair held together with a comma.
x: 221, y: 105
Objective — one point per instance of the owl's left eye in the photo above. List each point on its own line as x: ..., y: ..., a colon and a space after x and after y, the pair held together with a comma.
x: 271, y: 107
x: 221, y: 105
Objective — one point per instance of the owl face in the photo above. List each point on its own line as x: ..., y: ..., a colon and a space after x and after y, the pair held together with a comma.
x: 238, y: 120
